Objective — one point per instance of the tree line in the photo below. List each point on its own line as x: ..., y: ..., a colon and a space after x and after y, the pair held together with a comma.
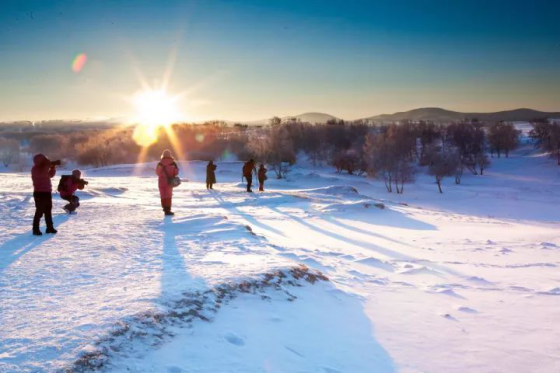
x: 393, y: 153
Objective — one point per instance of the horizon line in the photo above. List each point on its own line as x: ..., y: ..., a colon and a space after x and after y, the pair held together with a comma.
x: 108, y: 119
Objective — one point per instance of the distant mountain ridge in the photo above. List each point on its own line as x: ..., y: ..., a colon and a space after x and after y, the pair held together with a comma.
x: 429, y: 114
x: 444, y: 115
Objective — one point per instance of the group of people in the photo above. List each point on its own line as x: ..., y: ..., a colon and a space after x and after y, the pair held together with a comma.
x: 42, y: 172
x: 167, y: 171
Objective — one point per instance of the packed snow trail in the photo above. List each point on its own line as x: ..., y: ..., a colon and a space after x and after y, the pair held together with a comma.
x: 464, y: 281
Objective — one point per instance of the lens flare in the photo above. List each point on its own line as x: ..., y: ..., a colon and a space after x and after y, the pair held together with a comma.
x: 79, y: 62
x: 145, y: 135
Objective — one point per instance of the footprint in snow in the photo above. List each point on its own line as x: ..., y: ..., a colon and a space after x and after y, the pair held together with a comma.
x: 479, y: 280
x: 234, y: 339
x: 466, y: 309
x: 449, y: 317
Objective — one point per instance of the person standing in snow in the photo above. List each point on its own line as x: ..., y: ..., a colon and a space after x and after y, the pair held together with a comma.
x: 262, y: 176
x: 210, y: 175
x: 248, y: 169
x: 42, y: 172
x: 68, y: 185
x: 166, y: 170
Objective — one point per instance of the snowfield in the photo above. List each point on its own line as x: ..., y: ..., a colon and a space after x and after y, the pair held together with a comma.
x: 465, y: 281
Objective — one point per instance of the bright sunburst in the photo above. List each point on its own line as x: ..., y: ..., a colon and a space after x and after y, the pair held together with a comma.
x: 154, y: 109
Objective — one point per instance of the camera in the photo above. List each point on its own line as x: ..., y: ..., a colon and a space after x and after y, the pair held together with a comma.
x: 56, y: 163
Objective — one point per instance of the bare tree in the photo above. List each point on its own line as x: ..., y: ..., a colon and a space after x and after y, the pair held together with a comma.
x: 482, y: 162
x: 54, y: 145
x: 546, y: 136
x: 441, y: 165
x: 274, y: 147
x: 9, y: 151
x: 389, y: 156
x: 503, y: 137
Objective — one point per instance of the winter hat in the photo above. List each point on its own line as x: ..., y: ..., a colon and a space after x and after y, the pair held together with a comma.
x: 38, y: 159
x: 76, y: 173
x: 166, y: 153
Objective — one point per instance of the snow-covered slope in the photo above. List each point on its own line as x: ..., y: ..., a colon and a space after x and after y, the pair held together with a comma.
x: 464, y: 281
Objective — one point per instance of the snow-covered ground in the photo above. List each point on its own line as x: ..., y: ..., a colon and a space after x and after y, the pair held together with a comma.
x: 464, y: 281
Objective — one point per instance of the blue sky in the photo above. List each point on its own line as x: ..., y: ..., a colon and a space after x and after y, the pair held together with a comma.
x: 244, y: 60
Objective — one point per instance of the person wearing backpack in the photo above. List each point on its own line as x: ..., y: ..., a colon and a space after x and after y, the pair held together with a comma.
x: 67, y: 186
x: 210, y: 175
x: 262, y: 176
x: 248, y: 169
x: 42, y: 172
x: 167, y: 171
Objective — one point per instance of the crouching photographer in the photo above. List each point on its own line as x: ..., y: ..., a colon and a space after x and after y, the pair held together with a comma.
x: 67, y: 186
x: 42, y: 172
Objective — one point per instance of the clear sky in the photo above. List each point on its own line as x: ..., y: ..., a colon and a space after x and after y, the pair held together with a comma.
x: 245, y: 60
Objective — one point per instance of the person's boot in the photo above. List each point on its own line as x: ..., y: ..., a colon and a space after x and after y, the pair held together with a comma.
x: 37, y: 232
x: 168, y: 211
x: 51, y: 230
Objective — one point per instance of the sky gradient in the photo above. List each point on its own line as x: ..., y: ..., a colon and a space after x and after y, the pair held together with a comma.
x: 249, y: 60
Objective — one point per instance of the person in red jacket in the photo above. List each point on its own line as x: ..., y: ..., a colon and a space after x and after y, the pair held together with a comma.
x: 42, y: 172
x: 68, y: 187
x: 166, y: 169
x: 262, y: 177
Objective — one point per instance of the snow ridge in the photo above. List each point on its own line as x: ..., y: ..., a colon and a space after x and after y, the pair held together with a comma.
x: 152, y: 327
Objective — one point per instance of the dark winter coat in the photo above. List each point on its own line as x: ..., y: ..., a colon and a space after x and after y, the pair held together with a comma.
x: 248, y: 169
x: 210, y: 173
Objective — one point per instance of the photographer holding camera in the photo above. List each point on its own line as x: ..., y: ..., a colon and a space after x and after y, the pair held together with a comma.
x: 67, y: 187
x: 41, y: 173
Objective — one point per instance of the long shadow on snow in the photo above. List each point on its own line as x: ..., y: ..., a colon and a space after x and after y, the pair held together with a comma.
x: 366, y: 245
x: 19, y: 245
x: 233, y: 209
x: 175, y: 277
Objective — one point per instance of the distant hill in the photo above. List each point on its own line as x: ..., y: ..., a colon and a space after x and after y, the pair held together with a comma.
x: 443, y: 115
x: 311, y: 117
x: 314, y: 117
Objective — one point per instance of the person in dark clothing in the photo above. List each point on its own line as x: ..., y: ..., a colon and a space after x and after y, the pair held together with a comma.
x: 68, y: 187
x: 42, y: 172
x: 248, y: 169
x: 262, y: 176
x: 210, y: 175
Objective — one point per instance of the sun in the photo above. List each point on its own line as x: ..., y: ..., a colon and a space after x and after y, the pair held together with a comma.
x: 154, y: 109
